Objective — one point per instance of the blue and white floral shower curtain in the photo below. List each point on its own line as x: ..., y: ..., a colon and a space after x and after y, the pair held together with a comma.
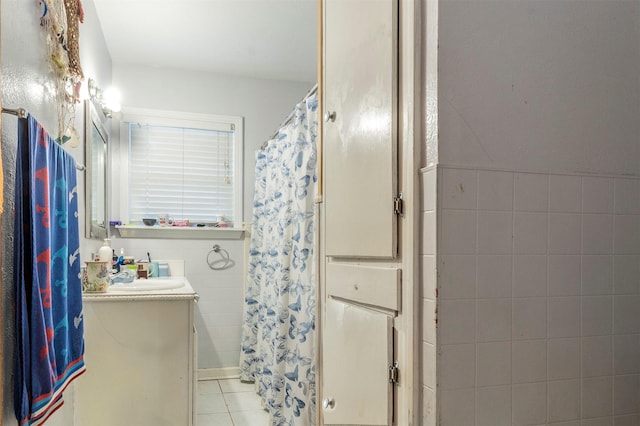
x: 279, y: 312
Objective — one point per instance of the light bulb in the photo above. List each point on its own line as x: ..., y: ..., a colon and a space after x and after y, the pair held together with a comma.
x: 111, y: 98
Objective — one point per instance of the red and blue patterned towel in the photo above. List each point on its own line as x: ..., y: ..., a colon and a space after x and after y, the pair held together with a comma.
x: 50, y: 343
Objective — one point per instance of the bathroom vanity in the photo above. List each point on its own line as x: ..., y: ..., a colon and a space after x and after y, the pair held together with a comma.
x: 140, y: 356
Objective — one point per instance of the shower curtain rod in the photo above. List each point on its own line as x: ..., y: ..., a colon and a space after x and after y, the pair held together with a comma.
x: 22, y: 113
x: 313, y: 90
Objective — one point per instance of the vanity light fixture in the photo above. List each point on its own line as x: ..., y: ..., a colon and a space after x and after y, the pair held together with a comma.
x: 109, y: 100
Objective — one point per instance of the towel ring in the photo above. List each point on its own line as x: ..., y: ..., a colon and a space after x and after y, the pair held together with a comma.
x: 224, y: 259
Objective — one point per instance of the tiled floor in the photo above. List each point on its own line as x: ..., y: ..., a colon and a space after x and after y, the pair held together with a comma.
x: 229, y: 402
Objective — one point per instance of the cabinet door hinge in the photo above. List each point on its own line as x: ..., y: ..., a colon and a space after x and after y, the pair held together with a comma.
x: 398, y: 205
x: 393, y: 373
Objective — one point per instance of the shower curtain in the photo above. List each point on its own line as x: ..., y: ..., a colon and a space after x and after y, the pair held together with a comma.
x: 49, y: 327
x: 279, y: 310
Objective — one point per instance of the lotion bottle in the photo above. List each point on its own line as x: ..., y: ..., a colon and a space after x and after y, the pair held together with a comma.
x: 106, y: 252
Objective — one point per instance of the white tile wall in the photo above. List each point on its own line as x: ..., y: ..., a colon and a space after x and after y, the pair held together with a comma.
x: 596, y: 356
x: 626, y: 270
x: 538, y: 285
x: 564, y: 275
x: 493, y: 276
x: 451, y: 412
x: 597, y: 233
x: 529, y: 363
x: 564, y: 400
x: 493, y: 406
x: 626, y: 196
x: 626, y: 234
x: 494, y: 320
x: 460, y: 228
x: 456, y: 272
x: 563, y: 358
x: 626, y: 354
x: 495, y: 190
x: 529, y: 275
x: 531, y: 192
x: 529, y: 233
x: 493, y: 363
x: 494, y: 232
x: 597, y: 195
x: 564, y: 193
x: 457, y: 321
x: 529, y: 404
x: 563, y: 317
x: 460, y: 273
x: 428, y: 406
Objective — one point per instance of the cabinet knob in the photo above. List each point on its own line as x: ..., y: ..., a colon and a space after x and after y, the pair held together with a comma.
x: 330, y: 116
x: 328, y: 403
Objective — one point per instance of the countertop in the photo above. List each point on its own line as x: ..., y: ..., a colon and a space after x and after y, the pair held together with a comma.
x: 183, y: 293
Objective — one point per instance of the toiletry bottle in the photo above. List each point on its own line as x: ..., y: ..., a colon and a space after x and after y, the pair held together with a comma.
x: 114, y: 261
x: 105, y: 253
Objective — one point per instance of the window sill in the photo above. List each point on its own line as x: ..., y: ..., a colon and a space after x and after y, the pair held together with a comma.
x: 179, y: 232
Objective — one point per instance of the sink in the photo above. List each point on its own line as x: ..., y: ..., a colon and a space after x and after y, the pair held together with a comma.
x: 149, y: 284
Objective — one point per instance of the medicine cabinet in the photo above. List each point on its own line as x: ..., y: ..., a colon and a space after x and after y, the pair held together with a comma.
x: 96, y: 140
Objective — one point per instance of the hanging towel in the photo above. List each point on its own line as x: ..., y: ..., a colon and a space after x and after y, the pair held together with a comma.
x: 49, y: 325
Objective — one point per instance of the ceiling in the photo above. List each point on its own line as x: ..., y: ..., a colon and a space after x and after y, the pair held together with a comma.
x: 273, y: 39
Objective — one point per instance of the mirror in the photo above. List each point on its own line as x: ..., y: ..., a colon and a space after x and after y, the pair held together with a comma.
x: 96, y: 139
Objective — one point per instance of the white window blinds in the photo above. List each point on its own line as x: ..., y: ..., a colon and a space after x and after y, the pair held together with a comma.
x: 185, y: 172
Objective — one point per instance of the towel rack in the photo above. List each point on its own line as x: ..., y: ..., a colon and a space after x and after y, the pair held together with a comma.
x: 22, y: 113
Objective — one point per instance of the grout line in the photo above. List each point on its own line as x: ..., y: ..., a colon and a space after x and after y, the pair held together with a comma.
x: 612, y: 295
x: 513, y: 245
x: 580, y: 378
x: 476, y: 316
x: 546, y: 328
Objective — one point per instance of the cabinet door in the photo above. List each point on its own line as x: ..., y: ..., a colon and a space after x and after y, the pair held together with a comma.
x: 359, y: 133
x: 357, y: 351
x: 138, y: 365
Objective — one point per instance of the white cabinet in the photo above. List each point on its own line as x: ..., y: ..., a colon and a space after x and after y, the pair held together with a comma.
x: 140, y: 357
x: 362, y: 269
x: 357, y: 352
x: 359, y: 133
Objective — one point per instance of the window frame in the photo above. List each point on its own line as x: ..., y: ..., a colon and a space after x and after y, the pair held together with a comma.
x: 188, y: 120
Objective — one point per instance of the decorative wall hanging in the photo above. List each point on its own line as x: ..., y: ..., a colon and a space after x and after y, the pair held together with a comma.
x: 60, y: 19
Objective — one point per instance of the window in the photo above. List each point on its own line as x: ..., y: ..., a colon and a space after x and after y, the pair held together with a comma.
x: 188, y: 166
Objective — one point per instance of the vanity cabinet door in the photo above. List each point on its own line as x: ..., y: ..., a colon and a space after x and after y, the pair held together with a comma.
x: 139, y: 358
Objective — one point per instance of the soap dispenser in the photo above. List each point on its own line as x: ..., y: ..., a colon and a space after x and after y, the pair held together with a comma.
x: 106, y: 252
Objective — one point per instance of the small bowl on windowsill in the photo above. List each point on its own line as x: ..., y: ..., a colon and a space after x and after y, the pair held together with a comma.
x: 149, y: 222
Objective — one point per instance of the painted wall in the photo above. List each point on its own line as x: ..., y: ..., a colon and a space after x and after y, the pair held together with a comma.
x: 264, y: 104
x: 429, y: 91
x: 26, y: 82
x: 543, y: 86
x: 538, y: 221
